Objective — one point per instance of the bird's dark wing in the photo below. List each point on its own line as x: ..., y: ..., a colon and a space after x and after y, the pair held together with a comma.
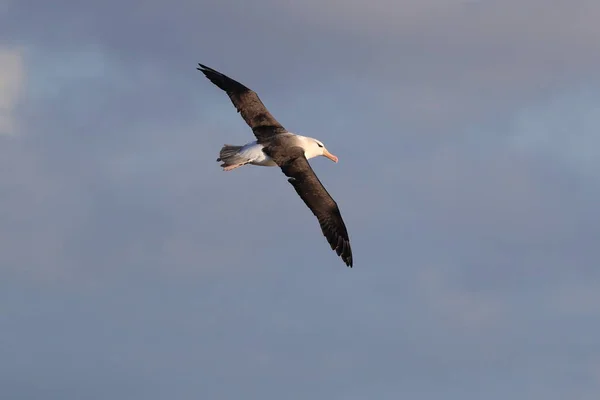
x: 248, y: 104
x: 295, y: 166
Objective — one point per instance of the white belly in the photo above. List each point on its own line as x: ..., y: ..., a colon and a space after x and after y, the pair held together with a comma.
x: 254, y: 154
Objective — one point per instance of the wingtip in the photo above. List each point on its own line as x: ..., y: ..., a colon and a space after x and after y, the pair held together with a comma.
x: 344, y: 250
x: 203, y: 68
x: 349, y: 261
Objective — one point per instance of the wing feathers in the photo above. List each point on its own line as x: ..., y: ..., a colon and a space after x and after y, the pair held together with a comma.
x: 247, y: 103
x: 318, y: 200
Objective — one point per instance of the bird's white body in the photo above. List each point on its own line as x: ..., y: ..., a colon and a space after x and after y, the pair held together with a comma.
x: 252, y: 152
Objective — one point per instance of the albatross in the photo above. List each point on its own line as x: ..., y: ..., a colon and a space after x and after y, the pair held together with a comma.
x: 276, y: 146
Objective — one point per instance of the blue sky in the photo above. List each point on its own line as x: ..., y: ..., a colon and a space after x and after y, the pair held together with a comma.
x: 132, y: 267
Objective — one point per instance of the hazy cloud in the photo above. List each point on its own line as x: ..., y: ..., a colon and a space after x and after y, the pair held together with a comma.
x: 11, y: 82
x: 133, y: 267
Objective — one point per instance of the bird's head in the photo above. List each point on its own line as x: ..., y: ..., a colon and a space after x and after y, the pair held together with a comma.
x: 315, y: 148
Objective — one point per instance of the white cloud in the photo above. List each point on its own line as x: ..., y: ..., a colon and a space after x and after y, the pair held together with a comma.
x: 11, y: 84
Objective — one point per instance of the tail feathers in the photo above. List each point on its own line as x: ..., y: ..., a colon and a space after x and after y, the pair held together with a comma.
x: 230, y: 157
x: 228, y: 151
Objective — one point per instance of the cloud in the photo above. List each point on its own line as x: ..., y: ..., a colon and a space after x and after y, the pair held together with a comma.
x: 12, y: 76
x: 131, y: 264
x: 469, y: 311
x: 497, y: 56
x: 563, y: 128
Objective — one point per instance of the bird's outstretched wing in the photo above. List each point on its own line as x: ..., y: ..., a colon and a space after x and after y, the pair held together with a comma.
x: 295, y: 166
x: 248, y: 104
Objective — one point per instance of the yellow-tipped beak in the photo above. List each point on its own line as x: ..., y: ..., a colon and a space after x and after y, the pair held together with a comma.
x: 330, y: 156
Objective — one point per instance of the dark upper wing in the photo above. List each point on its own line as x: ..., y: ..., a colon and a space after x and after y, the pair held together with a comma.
x: 248, y: 104
x: 311, y: 190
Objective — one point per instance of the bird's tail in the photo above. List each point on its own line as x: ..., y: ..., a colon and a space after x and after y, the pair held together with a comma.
x: 230, y: 157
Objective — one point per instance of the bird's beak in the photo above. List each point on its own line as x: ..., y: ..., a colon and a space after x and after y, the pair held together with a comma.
x: 330, y: 156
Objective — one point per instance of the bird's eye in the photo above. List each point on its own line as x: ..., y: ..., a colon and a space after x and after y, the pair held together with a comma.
x: 319, y: 144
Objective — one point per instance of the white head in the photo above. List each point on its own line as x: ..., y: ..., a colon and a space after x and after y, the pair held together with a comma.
x: 314, y: 148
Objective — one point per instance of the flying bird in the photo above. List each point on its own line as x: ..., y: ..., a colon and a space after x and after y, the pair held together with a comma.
x: 276, y: 146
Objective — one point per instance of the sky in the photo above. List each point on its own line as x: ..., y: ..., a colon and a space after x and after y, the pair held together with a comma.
x: 133, y: 267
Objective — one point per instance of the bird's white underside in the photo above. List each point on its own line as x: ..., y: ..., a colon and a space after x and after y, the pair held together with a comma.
x: 253, y: 152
